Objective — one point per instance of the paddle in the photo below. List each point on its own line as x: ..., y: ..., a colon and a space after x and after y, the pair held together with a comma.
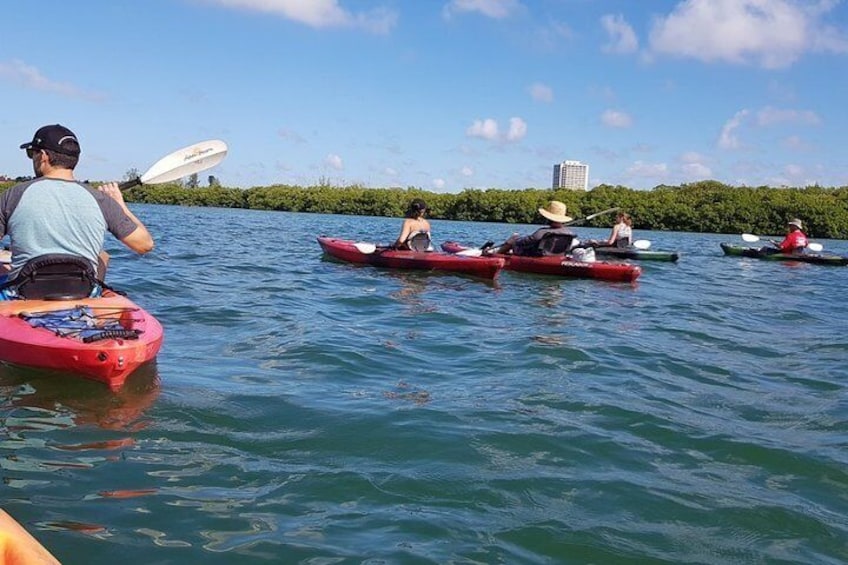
x: 182, y: 163
x: 366, y: 248
x: 591, y: 216
x: 812, y: 246
x: 369, y: 248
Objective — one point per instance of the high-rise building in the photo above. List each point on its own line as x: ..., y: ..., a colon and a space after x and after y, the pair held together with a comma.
x: 572, y: 175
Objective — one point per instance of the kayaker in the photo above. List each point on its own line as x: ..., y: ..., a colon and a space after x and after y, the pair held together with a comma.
x: 553, y: 239
x: 54, y: 213
x: 415, y: 232
x: 795, y: 240
x: 622, y: 231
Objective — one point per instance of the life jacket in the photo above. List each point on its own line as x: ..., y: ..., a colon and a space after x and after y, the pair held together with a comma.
x: 624, y: 236
x: 419, y: 241
x: 555, y: 244
x: 55, y: 276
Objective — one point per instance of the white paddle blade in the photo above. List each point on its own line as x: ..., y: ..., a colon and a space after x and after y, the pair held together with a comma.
x: 366, y: 248
x: 815, y: 247
x: 750, y: 238
x: 470, y: 252
x: 186, y: 161
x: 642, y: 244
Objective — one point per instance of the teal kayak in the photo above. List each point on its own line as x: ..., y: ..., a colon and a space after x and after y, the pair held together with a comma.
x: 768, y: 254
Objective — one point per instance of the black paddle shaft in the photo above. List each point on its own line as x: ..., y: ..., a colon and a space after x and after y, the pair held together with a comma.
x: 130, y: 183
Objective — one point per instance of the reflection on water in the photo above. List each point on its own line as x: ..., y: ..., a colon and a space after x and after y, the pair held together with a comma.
x: 37, y: 407
x: 38, y: 400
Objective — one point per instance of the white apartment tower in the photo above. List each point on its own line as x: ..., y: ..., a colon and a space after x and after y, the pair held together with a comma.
x: 572, y: 175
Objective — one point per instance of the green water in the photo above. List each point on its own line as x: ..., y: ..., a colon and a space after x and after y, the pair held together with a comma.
x: 307, y: 411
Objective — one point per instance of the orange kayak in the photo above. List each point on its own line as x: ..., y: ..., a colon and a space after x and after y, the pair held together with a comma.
x: 18, y: 547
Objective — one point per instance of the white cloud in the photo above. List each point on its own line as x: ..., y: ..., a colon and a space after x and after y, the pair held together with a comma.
x: 467, y: 171
x: 497, y: 9
x: 648, y: 170
x: 490, y: 130
x: 318, y: 13
x: 793, y: 171
x: 517, y: 129
x: 290, y: 135
x: 727, y: 139
x: 334, y: 161
x: 616, y: 119
x: 770, y: 116
x: 27, y: 76
x: 622, y: 38
x: 692, y: 157
x: 487, y: 129
x: 795, y: 143
x: 696, y: 171
x: 770, y: 33
x: 541, y: 92
x: 694, y: 166
x: 390, y: 172
x: 438, y: 184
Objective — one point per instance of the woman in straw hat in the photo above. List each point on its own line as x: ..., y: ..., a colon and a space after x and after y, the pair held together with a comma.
x: 553, y: 239
x: 795, y: 240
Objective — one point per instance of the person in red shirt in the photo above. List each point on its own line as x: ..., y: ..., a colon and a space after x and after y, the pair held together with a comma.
x: 795, y: 240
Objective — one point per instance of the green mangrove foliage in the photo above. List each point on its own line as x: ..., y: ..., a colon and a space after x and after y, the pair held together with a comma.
x: 706, y: 206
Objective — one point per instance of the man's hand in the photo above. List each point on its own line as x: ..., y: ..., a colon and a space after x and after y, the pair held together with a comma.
x: 111, y: 189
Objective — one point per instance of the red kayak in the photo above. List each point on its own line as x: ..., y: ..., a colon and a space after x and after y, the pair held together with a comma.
x: 562, y: 266
x: 104, y: 339
x: 369, y: 254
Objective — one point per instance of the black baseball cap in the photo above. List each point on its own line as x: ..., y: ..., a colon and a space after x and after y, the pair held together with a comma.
x: 55, y: 138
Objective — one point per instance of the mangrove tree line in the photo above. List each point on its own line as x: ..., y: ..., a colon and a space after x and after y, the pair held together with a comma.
x: 706, y: 206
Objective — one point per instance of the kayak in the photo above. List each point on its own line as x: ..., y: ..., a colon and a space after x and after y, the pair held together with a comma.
x: 638, y: 254
x: 563, y: 266
x: 758, y: 253
x: 18, y: 546
x: 369, y: 254
x: 104, y: 338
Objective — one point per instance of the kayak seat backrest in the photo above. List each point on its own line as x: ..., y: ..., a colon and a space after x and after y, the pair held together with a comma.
x: 555, y: 244
x: 420, y: 242
x: 55, y: 276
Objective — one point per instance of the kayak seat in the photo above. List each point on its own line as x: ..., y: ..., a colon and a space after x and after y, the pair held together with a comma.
x: 420, y: 242
x: 555, y: 244
x: 56, y: 276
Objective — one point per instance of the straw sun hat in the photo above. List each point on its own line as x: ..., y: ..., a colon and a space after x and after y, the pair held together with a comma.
x: 555, y: 212
x: 795, y: 222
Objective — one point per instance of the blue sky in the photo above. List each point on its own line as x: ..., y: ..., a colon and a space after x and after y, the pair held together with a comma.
x: 439, y: 94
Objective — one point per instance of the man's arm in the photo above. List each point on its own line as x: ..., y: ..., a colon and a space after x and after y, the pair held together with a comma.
x: 139, y: 240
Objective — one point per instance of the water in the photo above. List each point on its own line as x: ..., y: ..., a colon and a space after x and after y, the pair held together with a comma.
x: 329, y: 413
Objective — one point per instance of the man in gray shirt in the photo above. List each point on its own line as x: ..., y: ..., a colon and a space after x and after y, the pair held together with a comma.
x: 54, y: 213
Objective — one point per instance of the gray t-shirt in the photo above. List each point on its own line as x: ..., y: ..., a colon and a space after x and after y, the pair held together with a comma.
x: 46, y: 215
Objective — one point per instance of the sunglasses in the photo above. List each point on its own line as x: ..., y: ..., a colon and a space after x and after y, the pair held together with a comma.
x: 31, y: 151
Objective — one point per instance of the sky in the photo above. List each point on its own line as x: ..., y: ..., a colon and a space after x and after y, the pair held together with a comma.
x: 443, y: 95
